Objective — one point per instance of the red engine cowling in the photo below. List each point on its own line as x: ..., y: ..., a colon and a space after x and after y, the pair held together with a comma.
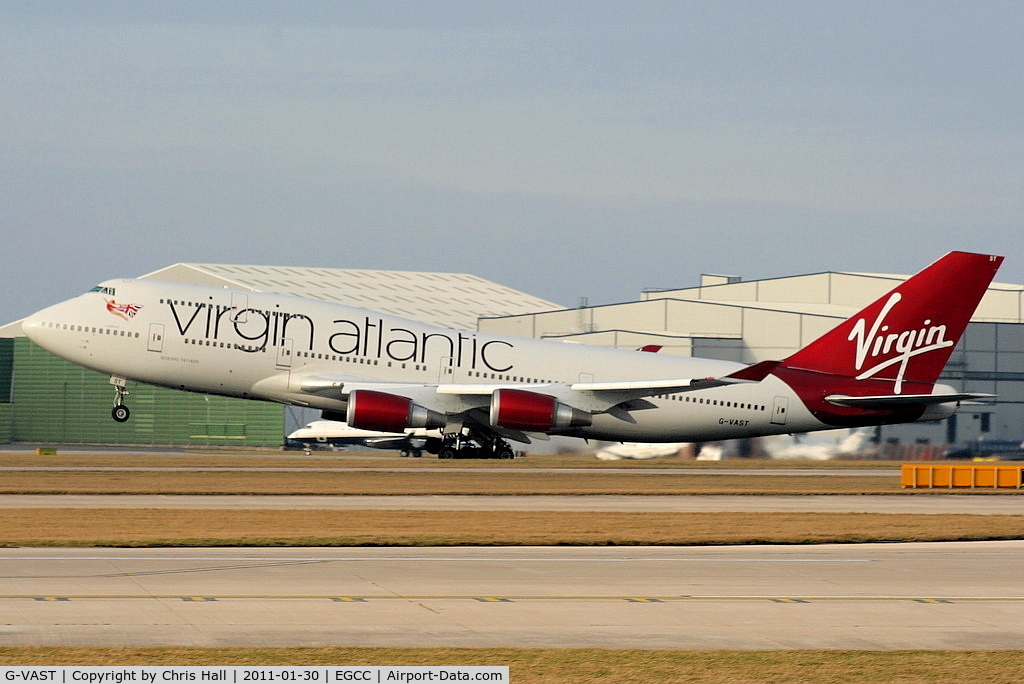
x: 522, y: 410
x: 370, y: 410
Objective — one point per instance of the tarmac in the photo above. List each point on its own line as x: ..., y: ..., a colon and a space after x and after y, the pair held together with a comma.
x: 960, y: 596
x: 867, y: 596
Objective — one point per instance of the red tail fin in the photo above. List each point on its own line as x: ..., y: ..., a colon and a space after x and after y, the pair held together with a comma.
x: 907, y: 335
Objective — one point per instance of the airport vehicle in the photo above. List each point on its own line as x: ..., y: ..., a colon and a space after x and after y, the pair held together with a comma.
x: 336, y: 433
x: 987, y: 449
x: 380, y: 372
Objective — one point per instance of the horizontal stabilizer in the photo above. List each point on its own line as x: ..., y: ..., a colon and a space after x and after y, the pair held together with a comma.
x: 894, y: 401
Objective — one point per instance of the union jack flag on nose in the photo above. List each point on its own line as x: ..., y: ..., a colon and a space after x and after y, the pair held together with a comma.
x: 127, y: 311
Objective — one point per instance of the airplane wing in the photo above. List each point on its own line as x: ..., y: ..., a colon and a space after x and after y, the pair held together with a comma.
x: 395, y: 442
x: 617, y: 398
x: 640, y: 388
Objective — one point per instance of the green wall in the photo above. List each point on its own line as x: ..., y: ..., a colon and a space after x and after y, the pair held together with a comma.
x: 6, y: 368
x: 6, y: 424
x: 6, y: 375
x: 57, y: 401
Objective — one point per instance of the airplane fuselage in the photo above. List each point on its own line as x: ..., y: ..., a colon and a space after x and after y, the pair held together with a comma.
x: 274, y: 347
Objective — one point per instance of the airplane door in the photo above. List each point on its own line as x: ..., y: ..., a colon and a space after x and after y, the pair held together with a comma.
x: 284, y: 354
x: 779, y: 408
x: 446, y: 370
x: 156, y: 337
x: 240, y: 303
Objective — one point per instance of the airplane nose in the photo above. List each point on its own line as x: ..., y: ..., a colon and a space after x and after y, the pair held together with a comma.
x: 31, y: 326
x: 40, y: 326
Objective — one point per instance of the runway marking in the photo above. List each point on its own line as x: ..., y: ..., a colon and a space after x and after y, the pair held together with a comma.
x: 644, y: 600
x: 52, y: 598
x: 198, y: 599
x: 348, y: 599
x: 492, y: 599
x: 790, y: 600
x: 932, y: 601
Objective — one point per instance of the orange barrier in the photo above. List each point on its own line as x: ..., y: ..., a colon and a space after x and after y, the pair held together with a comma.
x: 973, y: 476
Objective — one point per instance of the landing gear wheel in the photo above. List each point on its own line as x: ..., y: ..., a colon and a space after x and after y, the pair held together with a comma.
x: 120, y: 412
x: 447, y: 453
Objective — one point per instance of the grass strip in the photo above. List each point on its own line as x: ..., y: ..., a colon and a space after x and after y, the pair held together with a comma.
x: 168, y: 527
x: 548, y: 666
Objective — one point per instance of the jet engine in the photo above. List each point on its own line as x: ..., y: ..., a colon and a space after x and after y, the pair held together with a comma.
x: 370, y: 410
x: 534, y: 412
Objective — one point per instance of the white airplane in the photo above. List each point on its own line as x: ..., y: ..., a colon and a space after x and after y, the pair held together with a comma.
x: 824, y: 446
x: 379, y: 372
x: 801, y: 448
x: 639, y: 451
x: 336, y: 433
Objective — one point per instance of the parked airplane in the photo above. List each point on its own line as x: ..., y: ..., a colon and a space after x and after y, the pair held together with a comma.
x: 640, y: 451
x: 337, y: 433
x: 821, y: 447
x: 379, y: 372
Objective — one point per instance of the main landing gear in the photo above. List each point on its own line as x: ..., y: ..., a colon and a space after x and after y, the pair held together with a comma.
x: 120, y: 412
x: 476, y: 444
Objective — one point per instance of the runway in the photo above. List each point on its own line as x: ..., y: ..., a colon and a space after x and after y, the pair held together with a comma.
x: 915, y: 503
x: 871, y: 596
x: 885, y: 596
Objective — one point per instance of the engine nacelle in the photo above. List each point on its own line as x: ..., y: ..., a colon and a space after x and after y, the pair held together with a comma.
x: 370, y: 410
x: 523, y: 410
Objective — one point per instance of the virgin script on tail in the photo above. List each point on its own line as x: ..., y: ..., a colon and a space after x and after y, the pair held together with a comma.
x: 908, y: 343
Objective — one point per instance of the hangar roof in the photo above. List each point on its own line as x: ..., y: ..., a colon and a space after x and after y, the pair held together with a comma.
x: 832, y: 293
x: 454, y: 300
x: 727, y: 317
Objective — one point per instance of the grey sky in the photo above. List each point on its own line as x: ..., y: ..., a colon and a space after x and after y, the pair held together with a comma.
x: 565, y: 149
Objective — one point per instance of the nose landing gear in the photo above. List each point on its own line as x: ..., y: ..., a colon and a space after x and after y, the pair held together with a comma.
x: 120, y: 412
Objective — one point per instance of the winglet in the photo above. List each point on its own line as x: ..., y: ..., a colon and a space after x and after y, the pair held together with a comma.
x: 755, y: 373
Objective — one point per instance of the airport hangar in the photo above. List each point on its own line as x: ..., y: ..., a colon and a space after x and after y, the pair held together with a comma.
x: 728, y: 318
x: 45, y: 399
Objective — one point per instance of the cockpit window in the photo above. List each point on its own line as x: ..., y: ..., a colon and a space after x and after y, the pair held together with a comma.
x: 103, y: 290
